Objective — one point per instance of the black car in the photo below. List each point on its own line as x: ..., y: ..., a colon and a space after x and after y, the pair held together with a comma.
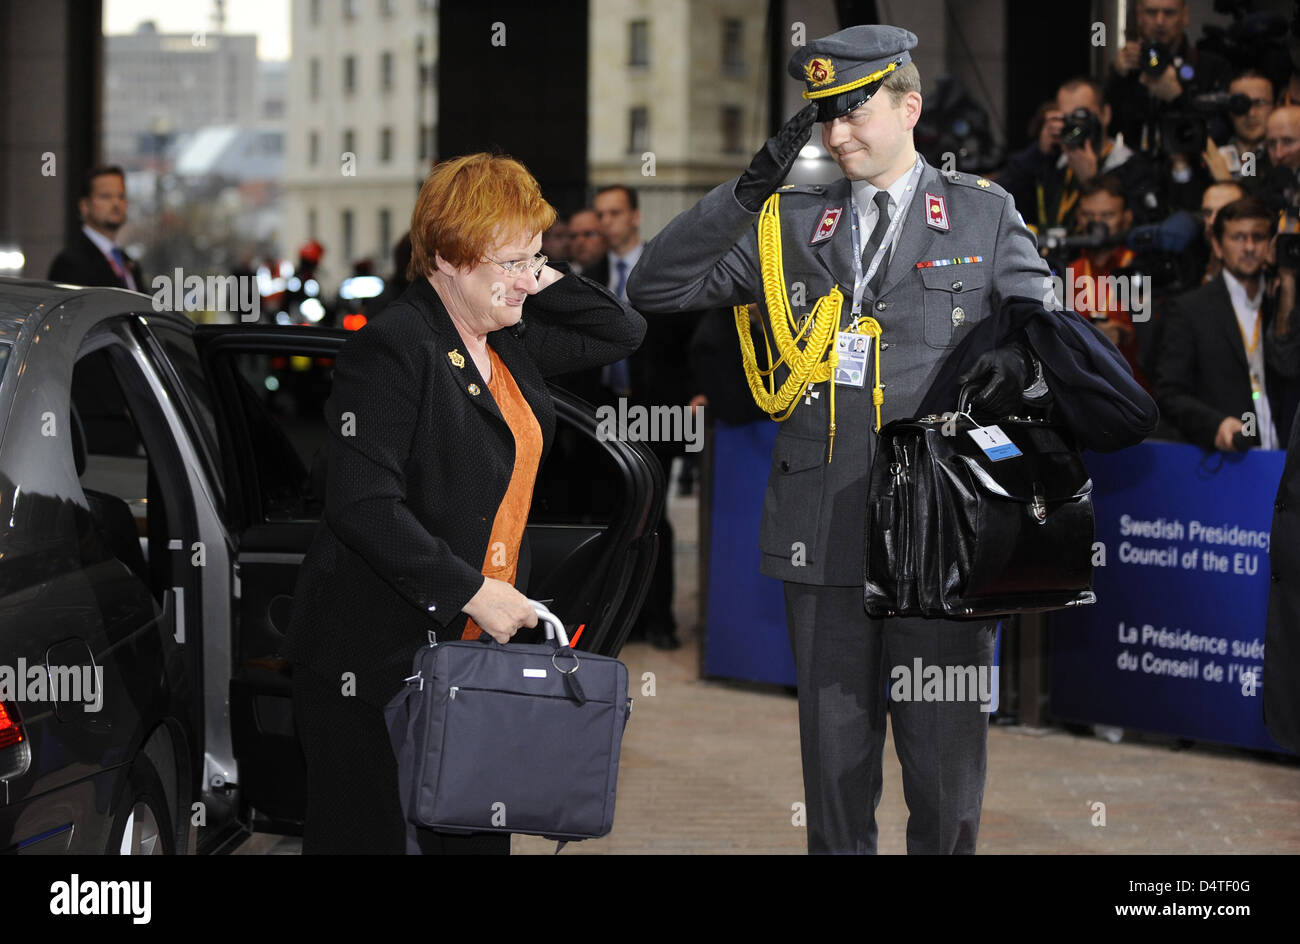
x: 160, y: 483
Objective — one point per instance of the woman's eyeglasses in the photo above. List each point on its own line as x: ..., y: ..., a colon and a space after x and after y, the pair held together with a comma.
x: 534, y: 265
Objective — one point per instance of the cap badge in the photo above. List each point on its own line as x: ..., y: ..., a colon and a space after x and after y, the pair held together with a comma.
x: 820, y: 71
x: 936, y: 211
x: 826, y: 228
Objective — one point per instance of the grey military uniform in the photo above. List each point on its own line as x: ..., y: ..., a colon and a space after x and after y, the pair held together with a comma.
x: 813, y: 512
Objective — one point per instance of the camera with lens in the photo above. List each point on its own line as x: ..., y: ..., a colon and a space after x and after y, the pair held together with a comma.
x: 1081, y: 126
x: 1288, y: 240
x: 1155, y: 58
x: 1183, y: 132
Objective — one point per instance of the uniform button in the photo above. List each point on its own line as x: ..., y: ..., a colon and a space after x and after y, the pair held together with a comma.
x: 880, y: 306
x: 956, y: 286
x: 1279, y: 506
x: 432, y: 607
x: 1276, y: 576
x: 958, y: 315
x: 785, y: 465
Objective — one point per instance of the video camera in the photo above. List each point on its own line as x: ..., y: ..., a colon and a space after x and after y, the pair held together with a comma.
x: 1160, y: 248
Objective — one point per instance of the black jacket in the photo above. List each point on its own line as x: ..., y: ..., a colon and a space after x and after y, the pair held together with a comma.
x: 81, y: 263
x: 418, y: 463
x: 1203, y: 374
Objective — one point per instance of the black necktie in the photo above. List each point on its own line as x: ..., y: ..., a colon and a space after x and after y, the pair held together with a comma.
x: 881, y: 200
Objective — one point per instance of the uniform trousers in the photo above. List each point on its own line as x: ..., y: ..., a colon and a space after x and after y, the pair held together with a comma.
x: 353, y: 804
x: 844, y: 663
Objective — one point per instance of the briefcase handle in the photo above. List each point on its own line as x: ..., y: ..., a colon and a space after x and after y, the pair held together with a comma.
x: 554, y: 628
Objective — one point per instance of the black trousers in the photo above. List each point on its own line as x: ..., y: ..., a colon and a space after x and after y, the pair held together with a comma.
x: 353, y: 805
x: 845, y: 663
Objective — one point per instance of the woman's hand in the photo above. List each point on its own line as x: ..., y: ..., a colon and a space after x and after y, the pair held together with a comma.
x: 545, y: 278
x: 499, y: 609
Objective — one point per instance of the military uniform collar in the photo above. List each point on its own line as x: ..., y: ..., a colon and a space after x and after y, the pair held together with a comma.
x: 864, y: 192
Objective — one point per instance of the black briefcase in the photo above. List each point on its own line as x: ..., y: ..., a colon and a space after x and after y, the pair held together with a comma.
x: 955, y: 534
x: 521, y: 738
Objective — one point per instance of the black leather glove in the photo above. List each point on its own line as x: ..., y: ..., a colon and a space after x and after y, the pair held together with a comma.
x: 774, y: 160
x: 1000, y: 377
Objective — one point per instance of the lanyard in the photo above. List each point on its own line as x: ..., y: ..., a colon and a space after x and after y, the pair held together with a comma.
x: 861, y: 281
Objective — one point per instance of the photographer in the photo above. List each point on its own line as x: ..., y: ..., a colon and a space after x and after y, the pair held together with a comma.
x: 1158, y: 73
x: 1249, y: 111
x: 1282, y: 139
x: 1102, y: 205
x: 1072, y: 150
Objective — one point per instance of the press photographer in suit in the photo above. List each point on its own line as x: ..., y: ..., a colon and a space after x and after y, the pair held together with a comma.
x: 1229, y: 352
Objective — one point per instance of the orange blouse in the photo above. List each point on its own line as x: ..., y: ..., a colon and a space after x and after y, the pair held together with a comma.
x: 502, y: 558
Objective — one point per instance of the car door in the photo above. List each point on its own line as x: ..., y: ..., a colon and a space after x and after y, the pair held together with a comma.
x: 591, y: 531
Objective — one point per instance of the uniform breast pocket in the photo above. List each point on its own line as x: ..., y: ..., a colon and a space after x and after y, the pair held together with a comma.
x: 955, y: 300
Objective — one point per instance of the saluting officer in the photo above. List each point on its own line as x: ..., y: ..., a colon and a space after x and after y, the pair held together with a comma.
x: 920, y: 280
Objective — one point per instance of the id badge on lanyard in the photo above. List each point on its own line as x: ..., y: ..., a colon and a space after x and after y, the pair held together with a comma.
x: 854, y: 349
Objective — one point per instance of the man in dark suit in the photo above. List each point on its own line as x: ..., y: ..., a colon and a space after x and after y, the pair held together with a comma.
x: 1228, y: 350
x: 93, y: 257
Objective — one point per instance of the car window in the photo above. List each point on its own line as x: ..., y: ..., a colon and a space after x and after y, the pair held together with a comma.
x: 282, y: 398
x: 4, y: 357
x: 117, y: 477
x: 178, y: 345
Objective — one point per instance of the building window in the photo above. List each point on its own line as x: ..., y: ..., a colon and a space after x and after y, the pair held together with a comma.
x: 731, y: 130
x: 386, y: 71
x: 426, y: 142
x: 348, y: 236
x: 313, y: 148
x: 311, y: 223
x: 387, y: 7
x: 733, y: 50
x: 313, y: 71
x: 349, y: 74
x: 351, y: 8
x: 385, y: 234
x: 638, y: 129
x: 315, y: 12
x: 349, y: 142
x: 386, y: 145
x: 638, y: 43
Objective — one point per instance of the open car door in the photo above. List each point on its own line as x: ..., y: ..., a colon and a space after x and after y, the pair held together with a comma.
x: 591, y: 532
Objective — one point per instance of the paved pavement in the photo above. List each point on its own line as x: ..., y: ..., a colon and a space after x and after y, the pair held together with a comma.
x: 713, y: 767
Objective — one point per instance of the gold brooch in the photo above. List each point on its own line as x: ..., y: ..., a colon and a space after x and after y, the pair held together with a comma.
x: 473, y: 390
x: 457, y: 358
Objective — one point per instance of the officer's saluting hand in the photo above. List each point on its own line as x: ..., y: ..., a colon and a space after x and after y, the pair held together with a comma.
x: 774, y: 159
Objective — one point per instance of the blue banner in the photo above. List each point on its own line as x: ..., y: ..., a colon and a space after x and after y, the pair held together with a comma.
x: 746, y: 636
x: 1175, y: 642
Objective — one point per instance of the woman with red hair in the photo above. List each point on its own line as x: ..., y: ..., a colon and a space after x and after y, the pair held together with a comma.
x: 438, y: 421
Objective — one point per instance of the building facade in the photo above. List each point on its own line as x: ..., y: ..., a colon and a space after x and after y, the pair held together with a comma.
x: 359, y: 125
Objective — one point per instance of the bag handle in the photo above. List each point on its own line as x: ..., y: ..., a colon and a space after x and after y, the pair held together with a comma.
x: 554, y: 628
